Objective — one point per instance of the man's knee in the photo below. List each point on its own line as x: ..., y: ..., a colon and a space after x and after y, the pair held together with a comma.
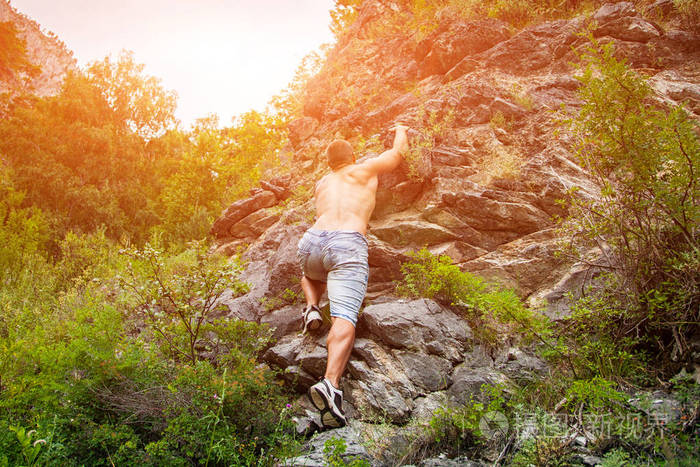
x: 342, y: 326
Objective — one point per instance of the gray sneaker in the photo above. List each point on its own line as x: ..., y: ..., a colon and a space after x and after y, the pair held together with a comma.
x: 329, y: 402
x: 312, y: 319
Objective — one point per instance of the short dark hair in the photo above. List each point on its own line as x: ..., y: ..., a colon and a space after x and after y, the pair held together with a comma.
x: 339, y: 153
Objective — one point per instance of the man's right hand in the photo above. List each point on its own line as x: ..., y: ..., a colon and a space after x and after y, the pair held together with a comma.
x: 400, y: 137
x: 389, y: 160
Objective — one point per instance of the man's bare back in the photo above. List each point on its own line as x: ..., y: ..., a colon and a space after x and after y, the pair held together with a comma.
x: 334, y: 253
x: 345, y: 198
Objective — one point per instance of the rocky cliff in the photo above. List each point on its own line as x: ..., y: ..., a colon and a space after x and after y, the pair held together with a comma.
x: 44, y: 49
x: 483, y: 189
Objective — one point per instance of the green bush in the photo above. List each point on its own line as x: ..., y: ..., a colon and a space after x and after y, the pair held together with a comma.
x: 516, y: 12
x: 333, y: 451
x: 643, y: 156
x: 88, y: 376
x: 495, y: 309
x: 595, y: 338
x: 594, y: 394
x: 176, y: 296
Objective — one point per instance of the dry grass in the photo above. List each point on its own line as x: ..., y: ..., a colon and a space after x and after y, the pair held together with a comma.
x: 500, y: 163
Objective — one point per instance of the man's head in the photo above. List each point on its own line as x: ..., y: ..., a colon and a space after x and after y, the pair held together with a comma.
x: 339, y: 154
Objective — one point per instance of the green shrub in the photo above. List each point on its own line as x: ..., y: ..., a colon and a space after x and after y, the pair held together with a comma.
x: 88, y: 376
x: 333, y: 451
x: 458, y: 430
x: 644, y: 158
x: 595, y: 336
x: 176, y: 296
x: 594, y: 394
x: 547, y: 451
x: 495, y: 309
x: 516, y: 12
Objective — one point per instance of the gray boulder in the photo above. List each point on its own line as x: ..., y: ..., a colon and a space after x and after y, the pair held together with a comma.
x: 240, y: 209
x: 467, y: 383
x: 314, y: 449
x: 448, y: 45
x: 614, y: 11
x: 418, y: 325
x: 629, y: 28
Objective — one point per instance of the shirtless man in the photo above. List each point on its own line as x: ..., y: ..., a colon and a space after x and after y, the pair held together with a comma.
x: 333, y: 254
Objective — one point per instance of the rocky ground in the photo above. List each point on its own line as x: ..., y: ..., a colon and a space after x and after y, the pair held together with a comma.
x: 484, y: 192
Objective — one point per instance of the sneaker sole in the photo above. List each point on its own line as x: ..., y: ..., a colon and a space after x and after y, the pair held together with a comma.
x: 313, y: 321
x: 328, y: 418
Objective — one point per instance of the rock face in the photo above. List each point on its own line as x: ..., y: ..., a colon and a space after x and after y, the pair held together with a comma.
x: 43, y: 49
x: 443, y: 49
x: 484, y: 192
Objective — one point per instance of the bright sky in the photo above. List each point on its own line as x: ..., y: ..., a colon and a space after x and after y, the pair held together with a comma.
x: 220, y: 56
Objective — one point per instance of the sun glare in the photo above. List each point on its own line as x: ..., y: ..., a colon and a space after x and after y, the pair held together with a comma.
x: 223, y: 57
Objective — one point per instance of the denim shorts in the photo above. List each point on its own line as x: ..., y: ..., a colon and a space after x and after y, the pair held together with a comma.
x: 339, y: 258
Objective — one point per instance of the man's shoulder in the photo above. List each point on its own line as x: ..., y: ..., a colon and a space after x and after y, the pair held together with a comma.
x: 321, y: 181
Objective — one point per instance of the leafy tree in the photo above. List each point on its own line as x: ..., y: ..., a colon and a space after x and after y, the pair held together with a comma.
x: 138, y: 101
x: 177, y: 298
x: 213, y: 167
x: 343, y: 15
x: 23, y: 233
x: 72, y: 160
x: 289, y: 104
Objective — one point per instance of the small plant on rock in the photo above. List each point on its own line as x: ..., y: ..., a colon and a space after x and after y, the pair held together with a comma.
x: 433, y: 129
x: 333, y: 451
x: 494, y: 309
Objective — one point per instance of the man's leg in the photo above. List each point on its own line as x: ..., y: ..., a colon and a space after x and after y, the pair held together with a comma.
x: 313, y: 290
x: 340, y: 341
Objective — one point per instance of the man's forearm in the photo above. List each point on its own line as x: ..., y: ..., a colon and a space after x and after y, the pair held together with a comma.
x: 401, y: 140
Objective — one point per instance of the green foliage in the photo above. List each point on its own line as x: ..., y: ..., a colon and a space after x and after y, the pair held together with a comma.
x: 596, y: 338
x: 176, y: 296
x: 434, y: 127
x: 498, y: 120
x: 643, y: 157
x: 213, y: 167
x: 495, y: 309
x: 85, y: 372
x: 522, y: 98
x: 333, y: 451
x: 519, y: 13
x: 458, y: 430
x: 617, y: 458
x: 70, y: 158
x: 594, y: 394
x: 23, y: 234
x: 289, y: 104
x: 103, y: 153
x: 543, y: 451
x: 83, y: 257
x: 137, y: 101
x: 30, y: 448
x: 286, y: 297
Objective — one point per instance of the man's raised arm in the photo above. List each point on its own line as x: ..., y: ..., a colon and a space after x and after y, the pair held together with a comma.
x: 389, y: 160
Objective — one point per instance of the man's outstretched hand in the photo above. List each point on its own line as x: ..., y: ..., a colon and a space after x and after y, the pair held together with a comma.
x: 400, y: 137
